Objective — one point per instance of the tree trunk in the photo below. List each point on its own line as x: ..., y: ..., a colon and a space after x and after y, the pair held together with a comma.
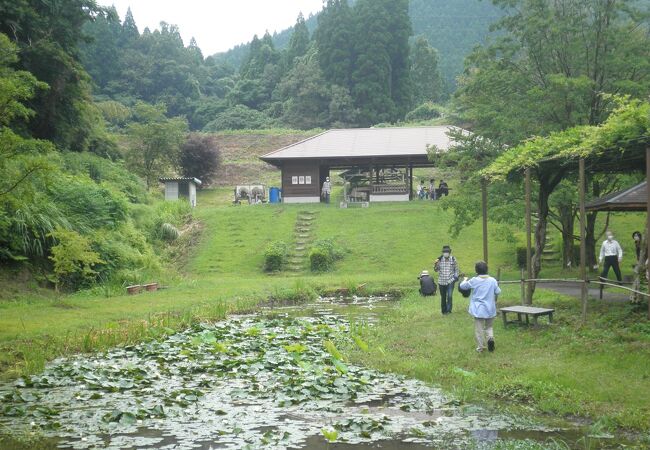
x: 567, y: 221
x: 547, y: 183
x: 590, y: 240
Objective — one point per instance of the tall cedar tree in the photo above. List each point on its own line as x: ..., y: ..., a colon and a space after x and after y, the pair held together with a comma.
x: 425, y: 73
x: 299, y: 42
x: 334, y: 38
x: 380, y: 79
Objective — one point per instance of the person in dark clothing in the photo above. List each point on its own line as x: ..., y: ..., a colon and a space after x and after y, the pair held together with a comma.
x: 611, y: 254
x: 638, y: 238
x: 447, y: 268
x: 443, y: 189
x: 428, y: 287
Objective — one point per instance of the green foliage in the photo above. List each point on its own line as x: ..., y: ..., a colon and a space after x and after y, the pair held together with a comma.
x: 323, y: 254
x: 275, y: 256
x: 560, y: 57
x: 380, y: 78
x: 108, y: 173
x: 200, y: 157
x: 155, y: 141
x: 16, y: 86
x: 239, y: 117
x: 425, y: 73
x: 625, y: 131
x: 73, y: 258
x: 424, y: 112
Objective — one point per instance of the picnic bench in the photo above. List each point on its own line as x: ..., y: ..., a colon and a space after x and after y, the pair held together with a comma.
x: 526, y: 311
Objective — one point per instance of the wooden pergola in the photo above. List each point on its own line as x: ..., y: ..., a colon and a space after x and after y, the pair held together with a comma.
x: 620, y: 145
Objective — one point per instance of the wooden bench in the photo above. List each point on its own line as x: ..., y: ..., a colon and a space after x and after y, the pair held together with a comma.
x: 526, y: 311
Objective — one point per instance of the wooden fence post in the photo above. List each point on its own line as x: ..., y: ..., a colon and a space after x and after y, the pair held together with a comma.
x: 523, y: 287
x: 647, y: 232
x: 583, y: 245
x: 529, y: 253
x: 484, y: 201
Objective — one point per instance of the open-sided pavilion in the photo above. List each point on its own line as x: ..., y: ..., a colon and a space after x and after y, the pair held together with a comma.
x: 385, y: 157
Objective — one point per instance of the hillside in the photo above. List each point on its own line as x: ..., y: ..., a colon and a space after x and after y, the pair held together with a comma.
x: 240, y: 156
x: 453, y: 28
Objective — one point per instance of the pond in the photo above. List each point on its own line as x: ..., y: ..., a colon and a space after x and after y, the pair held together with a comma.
x: 271, y: 380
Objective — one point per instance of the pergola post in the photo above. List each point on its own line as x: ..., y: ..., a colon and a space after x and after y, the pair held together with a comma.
x: 583, y: 244
x: 484, y: 201
x: 529, y: 244
x: 647, y: 232
x: 410, y: 170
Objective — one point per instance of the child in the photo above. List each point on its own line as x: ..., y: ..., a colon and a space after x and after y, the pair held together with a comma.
x: 482, y: 305
x: 427, y: 285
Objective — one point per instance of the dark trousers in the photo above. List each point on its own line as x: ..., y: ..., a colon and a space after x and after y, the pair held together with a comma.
x: 446, y: 297
x: 612, y: 261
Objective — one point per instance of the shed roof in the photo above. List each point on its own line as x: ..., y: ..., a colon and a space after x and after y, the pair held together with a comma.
x: 365, y: 143
x: 195, y: 180
x: 631, y: 199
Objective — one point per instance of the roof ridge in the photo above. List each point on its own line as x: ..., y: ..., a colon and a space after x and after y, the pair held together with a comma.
x: 627, y: 191
x: 295, y: 143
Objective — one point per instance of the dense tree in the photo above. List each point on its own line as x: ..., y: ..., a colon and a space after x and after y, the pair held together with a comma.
x: 334, y: 39
x: 425, y: 73
x: 299, y: 42
x: 199, y: 157
x: 380, y: 79
x: 305, y: 94
x: 48, y: 34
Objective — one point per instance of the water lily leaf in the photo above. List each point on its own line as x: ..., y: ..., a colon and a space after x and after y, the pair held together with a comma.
x: 330, y: 434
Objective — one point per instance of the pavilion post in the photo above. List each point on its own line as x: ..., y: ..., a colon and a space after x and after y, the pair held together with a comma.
x: 410, y: 170
x: 647, y: 232
x: 529, y: 244
x: 583, y: 243
x: 484, y: 198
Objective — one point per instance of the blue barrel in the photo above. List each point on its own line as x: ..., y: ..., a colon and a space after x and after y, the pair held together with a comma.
x: 274, y: 195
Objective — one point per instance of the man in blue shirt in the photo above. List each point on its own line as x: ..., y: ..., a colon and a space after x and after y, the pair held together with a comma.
x: 482, y: 305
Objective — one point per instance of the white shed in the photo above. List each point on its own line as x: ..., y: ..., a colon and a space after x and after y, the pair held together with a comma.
x: 184, y: 187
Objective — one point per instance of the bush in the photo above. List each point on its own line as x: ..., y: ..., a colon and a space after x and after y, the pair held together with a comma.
x: 73, y: 259
x: 200, y: 157
x: 275, y: 256
x: 426, y: 111
x: 239, y: 117
x: 323, y: 254
x: 521, y: 257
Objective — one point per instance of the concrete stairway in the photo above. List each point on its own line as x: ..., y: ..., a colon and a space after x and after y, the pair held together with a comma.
x: 303, y: 235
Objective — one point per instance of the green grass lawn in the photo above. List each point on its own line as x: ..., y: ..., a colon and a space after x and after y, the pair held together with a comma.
x: 598, y: 368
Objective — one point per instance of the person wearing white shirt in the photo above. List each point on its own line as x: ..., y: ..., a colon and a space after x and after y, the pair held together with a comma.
x: 611, y: 254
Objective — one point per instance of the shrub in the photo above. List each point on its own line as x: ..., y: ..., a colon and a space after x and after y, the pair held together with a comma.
x: 323, y: 254
x: 199, y: 157
x: 239, y: 117
x: 275, y: 256
x: 521, y: 257
x: 426, y: 111
x: 73, y: 258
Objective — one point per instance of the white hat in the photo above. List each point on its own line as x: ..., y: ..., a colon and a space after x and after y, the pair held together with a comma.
x: 425, y: 272
x: 327, y: 178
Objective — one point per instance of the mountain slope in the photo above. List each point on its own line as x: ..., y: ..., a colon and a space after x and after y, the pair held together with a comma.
x: 453, y: 27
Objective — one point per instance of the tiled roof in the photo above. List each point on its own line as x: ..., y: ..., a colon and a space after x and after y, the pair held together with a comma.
x: 631, y: 199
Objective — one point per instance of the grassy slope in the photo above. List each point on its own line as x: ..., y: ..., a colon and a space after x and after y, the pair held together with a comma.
x: 597, y: 369
x: 240, y: 152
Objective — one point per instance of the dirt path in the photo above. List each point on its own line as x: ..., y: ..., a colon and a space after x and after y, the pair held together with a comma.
x: 610, y: 295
